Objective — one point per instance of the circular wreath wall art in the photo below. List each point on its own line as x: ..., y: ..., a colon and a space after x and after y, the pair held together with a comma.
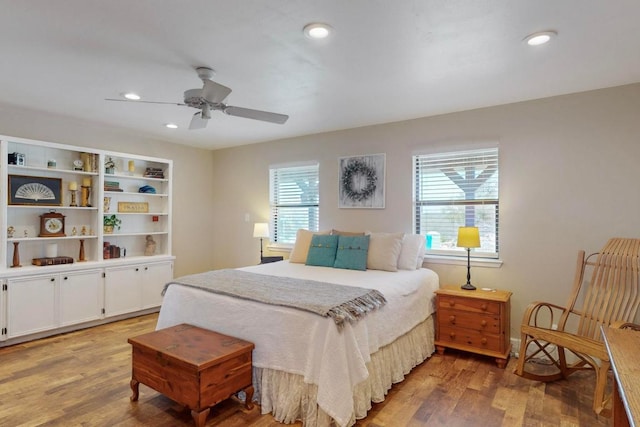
x: 351, y: 175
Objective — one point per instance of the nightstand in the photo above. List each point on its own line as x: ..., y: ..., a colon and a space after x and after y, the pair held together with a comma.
x: 475, y: 321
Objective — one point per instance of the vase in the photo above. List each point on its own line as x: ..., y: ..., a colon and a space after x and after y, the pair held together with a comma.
x: 108, y: 229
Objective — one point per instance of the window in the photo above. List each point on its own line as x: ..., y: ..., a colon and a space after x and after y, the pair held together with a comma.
x: 457, y: 189
x: 294, y: 200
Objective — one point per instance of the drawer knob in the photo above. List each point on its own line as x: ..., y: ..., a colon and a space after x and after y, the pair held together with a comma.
x: 483, y: 341
x: 452, y: 334
x: 483, y: 323
x: 483, y: 307
x: 452, y: 319
x: 452, y: 303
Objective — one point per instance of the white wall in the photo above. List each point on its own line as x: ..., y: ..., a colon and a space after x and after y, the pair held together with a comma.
x: 569, y: 168
x: 568, y: 181
x: 192, y: 172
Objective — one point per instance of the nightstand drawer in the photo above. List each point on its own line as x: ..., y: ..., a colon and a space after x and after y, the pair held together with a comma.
x: 471, y: 338
x: 468, y: 304
x: 461, y: 319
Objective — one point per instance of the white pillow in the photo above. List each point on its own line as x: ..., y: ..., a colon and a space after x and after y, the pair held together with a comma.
x: 412, y: 252
x: 423, y: 252
x: 384, y: 250
x: 301, y: 247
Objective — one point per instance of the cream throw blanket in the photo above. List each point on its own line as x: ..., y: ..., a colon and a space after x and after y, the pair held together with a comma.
x: 341, y: 303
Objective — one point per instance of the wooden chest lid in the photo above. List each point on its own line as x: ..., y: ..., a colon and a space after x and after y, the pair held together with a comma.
x: 192, y: 345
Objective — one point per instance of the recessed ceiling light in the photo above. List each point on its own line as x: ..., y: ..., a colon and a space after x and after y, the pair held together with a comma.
x: 317, y: 30
x: 539, y: 38
x: 132, y: 96
x: 171, y: 126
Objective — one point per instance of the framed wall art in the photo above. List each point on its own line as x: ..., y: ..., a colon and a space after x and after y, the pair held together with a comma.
x: 34, y: 190
x: 361, y: 181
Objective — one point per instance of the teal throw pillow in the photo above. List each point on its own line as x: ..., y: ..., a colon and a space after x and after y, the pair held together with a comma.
x: 352, y: 252
x: 322, y: 251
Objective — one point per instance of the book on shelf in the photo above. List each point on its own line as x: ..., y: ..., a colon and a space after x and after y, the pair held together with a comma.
x: 154, y: 173
x: 112, y: 186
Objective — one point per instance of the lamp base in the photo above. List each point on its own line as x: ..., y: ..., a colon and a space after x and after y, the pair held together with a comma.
x: 468, y: 287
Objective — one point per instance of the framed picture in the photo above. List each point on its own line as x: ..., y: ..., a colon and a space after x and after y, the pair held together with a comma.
x: 361, y: 181
x: 34, y: 190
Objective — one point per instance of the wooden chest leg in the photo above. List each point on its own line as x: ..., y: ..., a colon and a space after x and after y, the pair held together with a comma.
x: 200, y: 417
x: 135, y: 389
x: 248, y: 397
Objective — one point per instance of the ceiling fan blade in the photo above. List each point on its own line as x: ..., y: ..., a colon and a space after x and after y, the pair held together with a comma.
x: 144, y: 102
x: 197, y: 122
x: 248, y: 113
x: 214, y: 92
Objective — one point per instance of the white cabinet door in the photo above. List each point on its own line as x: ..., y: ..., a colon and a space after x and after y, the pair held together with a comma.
x: 155, y: 277
x: 80, y: 296
x: 31, y: 304
x: 122, y: 290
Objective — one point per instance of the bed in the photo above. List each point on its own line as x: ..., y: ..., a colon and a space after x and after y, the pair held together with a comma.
x: 305, y: 366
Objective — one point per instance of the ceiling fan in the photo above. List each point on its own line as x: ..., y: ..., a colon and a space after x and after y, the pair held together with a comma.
x: 211, y: 97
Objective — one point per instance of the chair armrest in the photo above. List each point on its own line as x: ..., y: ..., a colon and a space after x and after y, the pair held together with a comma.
x: 532, y: 315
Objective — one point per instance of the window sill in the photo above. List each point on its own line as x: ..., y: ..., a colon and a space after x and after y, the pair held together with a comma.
x: 475, y: 262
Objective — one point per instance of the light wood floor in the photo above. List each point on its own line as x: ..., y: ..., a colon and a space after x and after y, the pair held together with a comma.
x: 82, y: 379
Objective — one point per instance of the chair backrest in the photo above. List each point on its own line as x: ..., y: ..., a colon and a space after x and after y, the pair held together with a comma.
x: 612, y: 293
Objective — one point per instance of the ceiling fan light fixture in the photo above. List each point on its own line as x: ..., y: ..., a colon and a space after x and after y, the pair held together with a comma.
x: 317, y: 30
x: 539, y: 38
x: 171, y: 125
x: 206, y: 111
x: 132, y: 96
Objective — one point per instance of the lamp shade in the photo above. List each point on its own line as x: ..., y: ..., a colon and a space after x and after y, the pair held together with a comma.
x: 468, y: 237
x: 261, y: 229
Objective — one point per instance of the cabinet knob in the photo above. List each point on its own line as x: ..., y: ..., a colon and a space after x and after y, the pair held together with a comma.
x: 137, y: 269
x: 65, y: 277
x: 53, y: 279
x: 452, y: 319
x: 146, y: 268
x: 483, y: 323
x: 483, y: 341
x: 483, y: 307
x: 452, y: 303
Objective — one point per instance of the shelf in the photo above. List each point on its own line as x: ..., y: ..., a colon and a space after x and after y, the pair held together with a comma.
x: 14, y: 168
x: 79, y: 208
x: 135, y: 193
x: 40, y: 239
x: 135, y: 234
x: 108, y: 176
x: 136, y: 213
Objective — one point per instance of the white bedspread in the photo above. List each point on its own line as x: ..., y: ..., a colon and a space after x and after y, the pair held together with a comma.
x: 306, y: 344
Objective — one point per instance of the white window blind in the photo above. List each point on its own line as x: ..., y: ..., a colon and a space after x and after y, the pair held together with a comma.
x: 453, y: 190
x: 294, y: 200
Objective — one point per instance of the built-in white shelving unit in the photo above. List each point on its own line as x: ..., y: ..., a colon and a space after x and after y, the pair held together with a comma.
x: 71, y: 284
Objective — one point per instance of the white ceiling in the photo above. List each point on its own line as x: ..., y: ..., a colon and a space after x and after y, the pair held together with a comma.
x: 386, y: 60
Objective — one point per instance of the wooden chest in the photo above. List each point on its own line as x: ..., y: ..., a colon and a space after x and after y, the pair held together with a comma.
x: 193, y: 366
x: 476, y: 321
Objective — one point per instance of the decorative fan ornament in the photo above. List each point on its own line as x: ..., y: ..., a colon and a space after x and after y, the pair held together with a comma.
x: 34, y: 191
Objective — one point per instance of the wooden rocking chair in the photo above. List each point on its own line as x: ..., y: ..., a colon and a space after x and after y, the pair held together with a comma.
x: 611, y: 295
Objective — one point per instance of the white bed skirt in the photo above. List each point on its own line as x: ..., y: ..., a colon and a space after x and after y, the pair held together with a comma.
x: 289, y: 398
